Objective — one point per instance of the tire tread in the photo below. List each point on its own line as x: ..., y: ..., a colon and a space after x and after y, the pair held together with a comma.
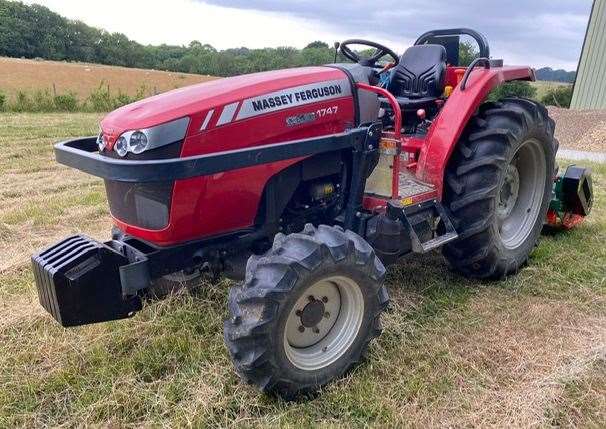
x: 471, y: 181
x: 253, y: 304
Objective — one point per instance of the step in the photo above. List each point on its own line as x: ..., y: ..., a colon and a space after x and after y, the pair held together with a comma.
x: 396, y: 210
x: 410, y: 186
x: 439, y: 241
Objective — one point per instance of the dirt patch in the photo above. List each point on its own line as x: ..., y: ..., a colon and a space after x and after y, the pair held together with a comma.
x: 583, y: 130
x: 504, y: 362
x: 584, y: 401
x: 522, y: 358
x: 20, y: 311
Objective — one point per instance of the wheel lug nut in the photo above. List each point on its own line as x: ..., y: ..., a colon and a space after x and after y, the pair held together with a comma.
x: 316, y: 330
x: 298, y: 313
x: 301, y: 328
x: 327, y: 315
x: 311, y: 298
x: 324, y: 299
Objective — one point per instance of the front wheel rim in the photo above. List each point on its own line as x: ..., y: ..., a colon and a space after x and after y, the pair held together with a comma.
x: 521, y: 195
x: 324, y: 323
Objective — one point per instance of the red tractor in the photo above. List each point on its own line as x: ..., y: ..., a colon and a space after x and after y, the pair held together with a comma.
x: 303, y: 184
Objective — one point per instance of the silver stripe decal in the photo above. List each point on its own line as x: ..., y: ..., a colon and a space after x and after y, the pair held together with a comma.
x: 207, y: 119
x: 295, y: 96
x: 227, y: 115
x: 162, y: 134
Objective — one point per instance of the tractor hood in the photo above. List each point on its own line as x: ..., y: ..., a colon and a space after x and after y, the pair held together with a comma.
x: 196, y: 99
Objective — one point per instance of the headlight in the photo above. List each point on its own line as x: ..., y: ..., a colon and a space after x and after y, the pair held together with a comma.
x: 138, y: 141
x: 121, y: 146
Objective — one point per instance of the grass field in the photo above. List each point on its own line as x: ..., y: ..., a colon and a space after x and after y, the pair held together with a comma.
x: 82, y: 79
x: 529, y: 351
x: 544, y: 86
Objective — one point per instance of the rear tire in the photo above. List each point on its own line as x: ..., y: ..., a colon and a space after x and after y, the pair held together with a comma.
x: 498, y: 187
x: 306, y: 311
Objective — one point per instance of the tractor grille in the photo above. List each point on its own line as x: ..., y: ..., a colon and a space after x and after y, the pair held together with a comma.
x: 145, y: 205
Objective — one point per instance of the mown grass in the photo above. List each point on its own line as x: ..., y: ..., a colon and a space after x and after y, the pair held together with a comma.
x: 528, y: 351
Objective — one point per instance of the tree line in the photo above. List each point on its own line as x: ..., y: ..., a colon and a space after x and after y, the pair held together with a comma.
x: 549, y: 74
x: 34, y: 31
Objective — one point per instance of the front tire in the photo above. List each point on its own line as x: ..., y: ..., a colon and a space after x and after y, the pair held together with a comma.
x: 306, y: 311
x: 498, y: 187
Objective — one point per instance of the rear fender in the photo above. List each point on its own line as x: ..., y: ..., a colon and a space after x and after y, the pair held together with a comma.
x: 454, y: 116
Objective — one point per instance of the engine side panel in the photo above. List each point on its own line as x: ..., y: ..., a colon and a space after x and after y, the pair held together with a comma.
x: 367, y: 102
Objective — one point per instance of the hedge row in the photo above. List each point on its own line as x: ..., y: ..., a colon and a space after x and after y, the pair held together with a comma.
x: 559, y: 96
x: 102, y: 100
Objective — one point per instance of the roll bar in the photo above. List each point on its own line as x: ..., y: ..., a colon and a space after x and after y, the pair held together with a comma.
x: 478, y: 37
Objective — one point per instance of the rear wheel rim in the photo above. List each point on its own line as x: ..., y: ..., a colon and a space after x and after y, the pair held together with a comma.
x: 324, y: 323
x: 521, y: 195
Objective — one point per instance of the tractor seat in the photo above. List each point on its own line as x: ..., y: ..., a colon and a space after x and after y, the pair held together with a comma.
x: 419, y: 78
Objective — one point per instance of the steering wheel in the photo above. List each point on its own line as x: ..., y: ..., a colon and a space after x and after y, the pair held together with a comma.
x: 381, y: 51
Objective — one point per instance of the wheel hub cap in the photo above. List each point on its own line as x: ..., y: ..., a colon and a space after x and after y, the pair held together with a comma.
x: 520, y: 198
x: 323, y: 323
x: 509, y: 191
x: 313, y: 313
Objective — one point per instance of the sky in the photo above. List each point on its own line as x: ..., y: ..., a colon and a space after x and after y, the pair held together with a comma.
x: 534, y: 32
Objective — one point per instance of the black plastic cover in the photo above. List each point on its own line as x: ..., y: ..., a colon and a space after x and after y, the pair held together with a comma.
x: 578, y: 190
x: 452, y: 44
x: 388, y: 237
x: 145, y: 205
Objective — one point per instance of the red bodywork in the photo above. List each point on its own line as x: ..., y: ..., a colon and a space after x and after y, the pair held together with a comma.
x: 428, y: 157
x: 200, y: 207
x: 567, y: 221
x: 456, y: 113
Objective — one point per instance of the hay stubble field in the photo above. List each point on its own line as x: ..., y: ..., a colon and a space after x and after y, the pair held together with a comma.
x: 18, y: 74
x: 526, y: 352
